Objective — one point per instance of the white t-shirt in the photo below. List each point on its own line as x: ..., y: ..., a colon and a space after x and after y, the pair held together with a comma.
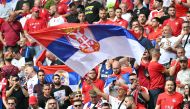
x: 18, y: 63
x: 166, y: 55
x: 115, y: 103
x: 183, y: 76
x: 31, y: 83
x: 187, y: 47
x: 56, y: 21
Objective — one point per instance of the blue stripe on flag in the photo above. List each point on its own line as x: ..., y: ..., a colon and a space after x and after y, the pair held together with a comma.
x: 74, y: 78
x: 101, y: 31
x: 61, y: 46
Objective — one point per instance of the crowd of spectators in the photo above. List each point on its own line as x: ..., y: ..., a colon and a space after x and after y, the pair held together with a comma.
x: 160, y: 81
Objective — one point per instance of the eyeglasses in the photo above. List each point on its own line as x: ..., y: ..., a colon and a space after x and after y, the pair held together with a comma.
x: 79, y: 105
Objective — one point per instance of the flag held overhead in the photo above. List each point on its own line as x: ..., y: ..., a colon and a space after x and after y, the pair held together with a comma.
x: 83, y: 46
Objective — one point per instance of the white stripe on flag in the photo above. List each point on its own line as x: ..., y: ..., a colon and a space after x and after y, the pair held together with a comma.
x: 109, y: 48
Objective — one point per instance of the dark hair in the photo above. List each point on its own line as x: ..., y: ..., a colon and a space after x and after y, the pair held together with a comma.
x: 12, y: 98
x: 171, y: 7
x: 171, y: 78
x: 56, y: 75
x: 105, y: 104
x: 159, y: 1
x: 157, y: 19
x: 41, y: 71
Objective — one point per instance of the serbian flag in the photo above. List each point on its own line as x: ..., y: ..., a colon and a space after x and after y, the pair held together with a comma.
x: 68, y: 76
x: 84, y: 46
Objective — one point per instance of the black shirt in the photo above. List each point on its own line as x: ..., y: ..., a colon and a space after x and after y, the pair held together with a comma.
x: 91, y: 11
x: 22, y: 101
x: 42, y: 100
x: 59, y: 93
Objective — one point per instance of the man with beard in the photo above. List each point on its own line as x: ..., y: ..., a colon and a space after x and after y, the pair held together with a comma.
x: 174, y: 22
x: 103, y: 17
x: 61, y: 92
x: 86, y: 86
x: 169, y: 99
x: 183, y: 76
x: 56, y: 19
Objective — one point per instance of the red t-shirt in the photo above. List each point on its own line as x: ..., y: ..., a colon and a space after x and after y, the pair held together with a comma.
x: 33, y: 25
x: 3, y: 83
x: 153, y: 35
x: 121, y: 22
x: 180, y: 9
x: 157, y: 79
x: 11, y: 32
x: 178, y: 67
x: 176, y: 25
x: 44, y: 14
x: 143, y: 80
x: 87, y: 87
x: 167, y: 101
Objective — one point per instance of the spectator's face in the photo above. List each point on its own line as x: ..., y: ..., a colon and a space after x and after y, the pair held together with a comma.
x: 171, y: 11
x: 46, y: 90
x: 78, y: 105
x: 92, y: 74
x: 81, y: 17
x: 183, y: 64
x: 116, y: 67
x: 166, y: 31
x: 15, y: 80
x: 155, y: 23
x: 94, y: 99
x: 52, y: 10
x: 11, y: 104
x: 123, y: 8
x: 28, y: 70
x: 36, y: 14
x: 12, y: 16
x: 111, y: 12
x: 186, y: 28
x: 128, y: 103
x: 133, y: 78
x: 136, y: 2
x: 134, y: 25
x: 118, y: 13
x: 146, y: 54
x: 121, y: 91
x: 57, y: 80
x: 77, y: 97
x: 169, y: 87
x: 188, y: 17
x: 156, y: 4
x: 142, y: 19
x: 186, y: 91
x: 37, y: 3
x: 52, y: 104
x: 102, y: 14
x: 25, y: 7
x: 22, y: 42
x: 41, y: 76
x: 180, y: 52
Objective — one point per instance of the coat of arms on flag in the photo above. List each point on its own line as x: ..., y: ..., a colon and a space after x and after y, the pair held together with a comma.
x: 83, y: 39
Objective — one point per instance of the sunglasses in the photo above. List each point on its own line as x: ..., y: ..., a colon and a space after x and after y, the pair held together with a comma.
x: 79, y: 105
x: 11, y: 103
x: 78, y: 96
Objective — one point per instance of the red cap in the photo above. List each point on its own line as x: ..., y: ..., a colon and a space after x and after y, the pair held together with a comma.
x: 125, y: 87
x: 34, y: 9
x: 33, y: 100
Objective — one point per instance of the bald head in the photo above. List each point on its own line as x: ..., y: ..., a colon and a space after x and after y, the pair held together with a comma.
x: 116, y: 66
x: 12, y: 16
